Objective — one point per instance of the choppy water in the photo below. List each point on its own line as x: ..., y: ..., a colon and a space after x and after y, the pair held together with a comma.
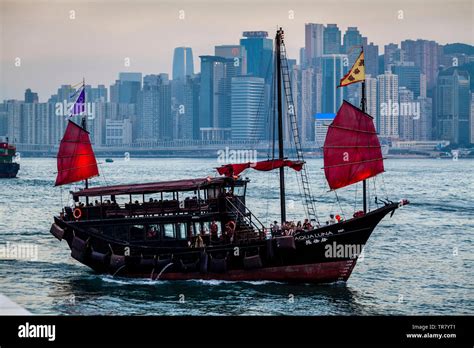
x: 418, y: 262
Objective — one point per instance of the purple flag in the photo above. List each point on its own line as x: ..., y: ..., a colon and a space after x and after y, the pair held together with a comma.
x: 79, y: 105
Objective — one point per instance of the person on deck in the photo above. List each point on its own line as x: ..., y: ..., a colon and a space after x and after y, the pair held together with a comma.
x: 332, y: 220
x: 307, y: 225
x: 214, y: 230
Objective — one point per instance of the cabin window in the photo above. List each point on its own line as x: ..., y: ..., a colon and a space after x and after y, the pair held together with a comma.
x: 239, y: 191
x: 137, y: 233
x: 168, y: 230
x: 180, y: 231
x: 153, y: 232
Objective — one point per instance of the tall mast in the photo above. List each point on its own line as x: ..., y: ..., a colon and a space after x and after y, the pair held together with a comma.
x: 278, y: 41
x: 84, y: 126
x: 363, y: 108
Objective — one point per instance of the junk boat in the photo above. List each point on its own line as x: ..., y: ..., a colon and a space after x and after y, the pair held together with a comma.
x: 8, y: 167
x: 201, y: 228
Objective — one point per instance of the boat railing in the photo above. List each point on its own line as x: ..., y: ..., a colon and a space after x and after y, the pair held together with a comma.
x: 246, y: 215
x: 166, y: 207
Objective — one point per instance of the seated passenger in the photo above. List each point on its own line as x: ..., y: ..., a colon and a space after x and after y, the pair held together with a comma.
x: 332, y: 220
x: 214, y: 230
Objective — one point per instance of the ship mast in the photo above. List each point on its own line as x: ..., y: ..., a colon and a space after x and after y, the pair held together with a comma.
x: 363, y: 108
x: 278, y: 42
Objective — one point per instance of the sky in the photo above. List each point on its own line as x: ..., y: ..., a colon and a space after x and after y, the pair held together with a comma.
x: 47, y: 43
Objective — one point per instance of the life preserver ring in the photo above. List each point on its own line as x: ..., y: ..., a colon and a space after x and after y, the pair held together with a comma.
x: 231, y: 225
x: 77, y: 213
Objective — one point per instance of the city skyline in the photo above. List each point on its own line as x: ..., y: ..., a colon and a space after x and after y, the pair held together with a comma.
x: 100, y: 46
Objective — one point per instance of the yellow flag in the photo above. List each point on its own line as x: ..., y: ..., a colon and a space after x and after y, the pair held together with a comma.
x: 357, y: 72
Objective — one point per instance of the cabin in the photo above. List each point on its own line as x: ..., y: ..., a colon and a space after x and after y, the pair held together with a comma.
x: 168, y: 213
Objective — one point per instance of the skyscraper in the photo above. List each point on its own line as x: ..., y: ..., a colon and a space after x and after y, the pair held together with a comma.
x: 31, y: 97
x: 183, y: 64
x: 453, y: 103
x: 409, y: 76
x: 259, y: 54
x: 371, y: 56
x: 247, y: 117
x: 424, y: 54
x: 215, y: 96
x: 422, y: 126
x: 371, y: 96
x: 126, y: 88
x: 392, y: 55
x: 314, y: 41
x: 332, y: 39
x: 405, y: 121
x: 237, y: 53
x: 333, y: 69
x: 352, y: 38
x: 387, y: 95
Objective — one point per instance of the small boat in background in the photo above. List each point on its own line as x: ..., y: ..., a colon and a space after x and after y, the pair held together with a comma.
x: 109, y: 160
x: 8, y: 167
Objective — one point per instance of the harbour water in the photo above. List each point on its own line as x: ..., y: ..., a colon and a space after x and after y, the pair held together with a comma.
x: 420, y: 261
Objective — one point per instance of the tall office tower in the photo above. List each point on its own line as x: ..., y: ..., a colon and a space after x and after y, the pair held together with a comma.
x: 31, y: 97
x: 185, y: 107
x: 392, y: 55
x: 237, y: 53
x: 45, y: 114
x: 183, y: 64
x: 154, y: 109
x: 259, y: 54
x: 352, y: 38
x: 3, y: 119
x: 314, y: 42
x: 425, y: 55
x: 13, y: 109
x: 422, y: 126
x: 453, y: 106
x: 303, y: 62
x: 371, y: 56
x: 94, y: 94
x: 306, y: 111
x: 247, y: 117
x: 28, y: 133
x: 405, y: 119
x: 371, y: 96
x: 409, y: 76
x: 126, y: 88
x: 332, y: 39
x: 387, y: 95
x: 332, y: 70
x: 215, y: 97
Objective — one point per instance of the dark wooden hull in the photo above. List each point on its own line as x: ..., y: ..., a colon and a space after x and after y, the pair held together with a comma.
x: 9, y: 170
x: 309, y: 257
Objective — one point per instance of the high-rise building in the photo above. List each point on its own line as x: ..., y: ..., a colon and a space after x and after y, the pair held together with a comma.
x: 183, y: 64
x: 215, y: 95
x: 237, y: 53
x: 307, y: 108
x: 31, y: 97
x: 303, y: 62
x: 352, y: 38
x: 387, y: 95
x: 185, y: 99
x: 332, y: 39
x: 472, y: 119
x: 422, y: 125
x: 321, y: 124
x: 154, y: 109
x: 94, y: 94
x: 371, y: 96
x: 126, y: 88
x: 453, y: 103
x: 371, y: 56
x: 314, y: 42
x: 424, y: 54
x: 405, y: 119
x: 247, y: 117
x: 392, y: 55
x: 259, y: 51
x: 409, y: 76
x: 332, y: 70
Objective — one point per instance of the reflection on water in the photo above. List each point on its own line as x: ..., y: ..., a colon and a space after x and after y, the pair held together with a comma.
x: 418, y: 262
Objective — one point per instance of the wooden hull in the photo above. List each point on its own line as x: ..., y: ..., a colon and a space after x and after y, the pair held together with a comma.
x: 323, y: 255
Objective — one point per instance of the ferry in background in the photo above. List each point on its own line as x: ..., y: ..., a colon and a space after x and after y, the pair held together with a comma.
x: 8, y: 167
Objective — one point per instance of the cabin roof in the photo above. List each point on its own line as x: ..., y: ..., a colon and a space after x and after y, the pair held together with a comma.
x: 155, y: 187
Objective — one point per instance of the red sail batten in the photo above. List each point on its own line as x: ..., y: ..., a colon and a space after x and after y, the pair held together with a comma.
x: 352, y: 151
x: 76, y: 160
x: 237, y: 168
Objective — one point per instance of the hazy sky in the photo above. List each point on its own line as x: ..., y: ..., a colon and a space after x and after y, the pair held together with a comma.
x: 55, y: 49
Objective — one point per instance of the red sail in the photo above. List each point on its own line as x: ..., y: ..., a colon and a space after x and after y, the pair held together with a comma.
x: 76, y: 159
x: 236, y: 169
x: 352, y: 150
